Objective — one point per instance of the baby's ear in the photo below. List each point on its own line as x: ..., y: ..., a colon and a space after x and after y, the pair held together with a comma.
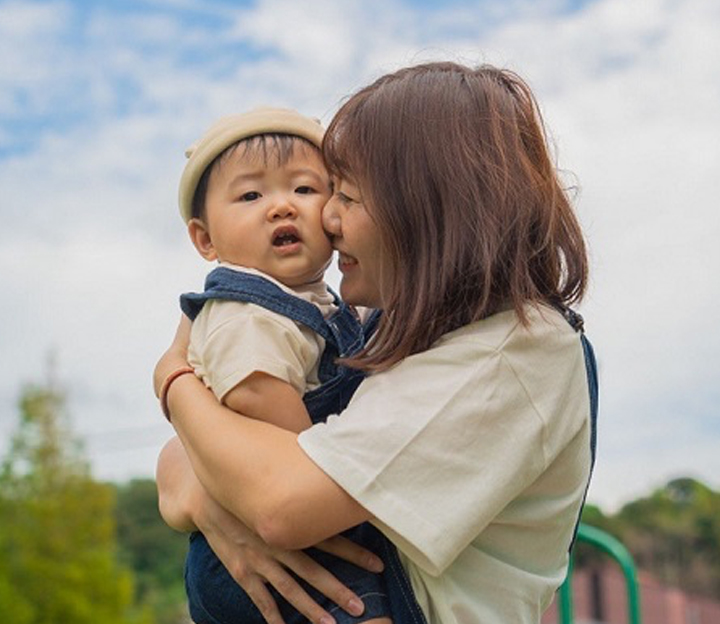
x: 200, y: 236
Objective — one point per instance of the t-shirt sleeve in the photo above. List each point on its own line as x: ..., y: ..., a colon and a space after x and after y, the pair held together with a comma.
x: 238, y: 339
x: 434, y: 450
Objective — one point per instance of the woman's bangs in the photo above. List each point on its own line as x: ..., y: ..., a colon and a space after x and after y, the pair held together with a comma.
x: 336, y: 151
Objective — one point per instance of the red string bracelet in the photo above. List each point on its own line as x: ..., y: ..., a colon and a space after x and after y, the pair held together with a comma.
x: 165, y: 388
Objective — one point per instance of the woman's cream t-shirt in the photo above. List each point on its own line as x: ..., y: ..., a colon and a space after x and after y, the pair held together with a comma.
x: 473, y: 457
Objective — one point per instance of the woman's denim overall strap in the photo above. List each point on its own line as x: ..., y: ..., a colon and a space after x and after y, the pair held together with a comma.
x: 578, y: 324
x: 403, y: 604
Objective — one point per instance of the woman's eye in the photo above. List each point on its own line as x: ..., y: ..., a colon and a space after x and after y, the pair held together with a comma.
x: 344, y: 199
x: 250, y: 196
x: 304, y: 190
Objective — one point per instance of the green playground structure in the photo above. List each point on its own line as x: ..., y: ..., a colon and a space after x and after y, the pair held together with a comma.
x: 611, y: 546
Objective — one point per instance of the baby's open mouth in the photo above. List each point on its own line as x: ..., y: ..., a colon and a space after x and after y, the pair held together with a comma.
x: 285, y: 236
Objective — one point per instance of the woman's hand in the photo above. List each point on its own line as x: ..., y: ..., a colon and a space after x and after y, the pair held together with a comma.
x: 185, y: 505
x: 176, y: 355
x: 253, y: 564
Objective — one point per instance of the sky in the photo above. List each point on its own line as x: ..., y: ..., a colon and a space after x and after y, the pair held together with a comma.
x: 98, y: 101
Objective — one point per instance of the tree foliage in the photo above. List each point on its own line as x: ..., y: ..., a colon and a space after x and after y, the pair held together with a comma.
x: 58, y: 557
x: 674, y: 533
x: 73, y: 550
x: 155, y: 552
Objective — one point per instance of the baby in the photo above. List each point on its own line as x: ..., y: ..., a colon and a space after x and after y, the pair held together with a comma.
x: 267, y: 329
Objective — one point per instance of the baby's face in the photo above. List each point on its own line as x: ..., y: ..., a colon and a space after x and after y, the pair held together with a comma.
x: 268, y: 216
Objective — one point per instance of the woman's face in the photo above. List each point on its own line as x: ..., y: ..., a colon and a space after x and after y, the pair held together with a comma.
x: 356, y: 237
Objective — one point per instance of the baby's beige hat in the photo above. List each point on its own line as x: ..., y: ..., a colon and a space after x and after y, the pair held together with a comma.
x: 231, y: 129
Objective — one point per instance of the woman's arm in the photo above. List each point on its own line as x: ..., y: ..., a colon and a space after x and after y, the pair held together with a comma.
x: 185, y: 505
x: 277, y: 491
x: 180, y: 494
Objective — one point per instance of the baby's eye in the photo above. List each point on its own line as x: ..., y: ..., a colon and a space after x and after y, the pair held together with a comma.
x: 304, y: 190
x: 250, y: 196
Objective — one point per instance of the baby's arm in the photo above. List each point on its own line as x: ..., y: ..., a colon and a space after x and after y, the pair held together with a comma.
x: 255, y: 361
x: 264, y: 397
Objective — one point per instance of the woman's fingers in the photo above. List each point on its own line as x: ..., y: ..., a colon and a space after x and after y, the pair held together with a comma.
x: 291, y: 590
x: 257, y: 591
x: 350, y: 551
x: 245, y: 557
x: 253, y: 564
x: 321, y: 579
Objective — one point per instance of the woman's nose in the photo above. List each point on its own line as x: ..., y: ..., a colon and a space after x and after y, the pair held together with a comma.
x: 331, y: 218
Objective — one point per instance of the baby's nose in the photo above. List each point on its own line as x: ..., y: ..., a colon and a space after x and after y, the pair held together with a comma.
x: 282, y: 209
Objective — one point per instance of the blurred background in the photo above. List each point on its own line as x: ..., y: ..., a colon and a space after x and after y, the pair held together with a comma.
x: 99, y: 99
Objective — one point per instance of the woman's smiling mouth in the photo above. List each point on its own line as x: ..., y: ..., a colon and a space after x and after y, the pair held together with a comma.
x: 345, y: 261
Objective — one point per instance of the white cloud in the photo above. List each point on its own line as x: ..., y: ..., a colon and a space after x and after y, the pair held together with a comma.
x: 29, y: 46
x: 320, y: 34
x: 640, y: 136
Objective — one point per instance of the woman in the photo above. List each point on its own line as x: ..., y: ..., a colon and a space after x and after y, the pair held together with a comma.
x: 469, y: 444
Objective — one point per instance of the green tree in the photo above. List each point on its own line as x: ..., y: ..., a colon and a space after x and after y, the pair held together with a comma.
x: 675, y: 534
x: 155, y: 552
x: 58, y: 559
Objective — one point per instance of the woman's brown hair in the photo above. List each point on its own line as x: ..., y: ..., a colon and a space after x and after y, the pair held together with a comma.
x: 454, y: 167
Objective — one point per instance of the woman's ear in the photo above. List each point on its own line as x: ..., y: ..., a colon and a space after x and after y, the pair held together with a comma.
x: 200, y: 236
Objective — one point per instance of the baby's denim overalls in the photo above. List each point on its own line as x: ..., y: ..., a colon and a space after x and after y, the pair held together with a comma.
x: 213, y: 596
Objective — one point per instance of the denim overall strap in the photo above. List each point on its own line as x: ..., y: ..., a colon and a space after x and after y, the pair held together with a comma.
x: 577, y: 323
x: 342, y: 331
x: 230, y: 285
x: 349, y: 335
x: 403, y: 604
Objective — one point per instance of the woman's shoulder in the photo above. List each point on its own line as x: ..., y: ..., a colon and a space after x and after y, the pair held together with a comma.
x: 535, y: 358
x: 484, y: 361
x: 504, y: 330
